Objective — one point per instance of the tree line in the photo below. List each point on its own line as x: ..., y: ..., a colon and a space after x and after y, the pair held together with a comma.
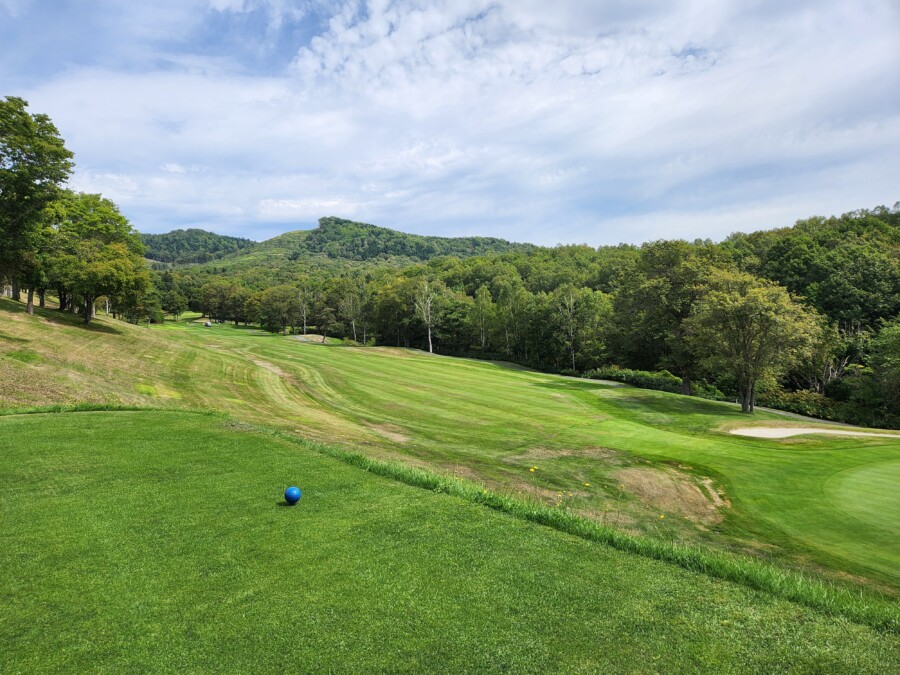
x: 77, y: 246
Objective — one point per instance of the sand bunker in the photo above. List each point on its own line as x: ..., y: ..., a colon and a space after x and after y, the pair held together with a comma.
x: 787, y: 432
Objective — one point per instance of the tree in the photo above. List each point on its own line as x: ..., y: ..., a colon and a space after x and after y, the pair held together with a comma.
x: 326, y: 322
x: 351, y: 302
x: 482, y: 314
x: 174, y: 303
x: 277, y: 308
x: 426, y: 307
x: 94, y: 251
x: 34, y: 162
x: 749, y: 328
x: 580, y: 313
x: 306, y: 298
x: 656, y: 299
x: 214, y: 299
x: 885, y: 360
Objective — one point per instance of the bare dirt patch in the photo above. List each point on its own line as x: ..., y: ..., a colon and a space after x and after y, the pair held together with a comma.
x: 389, y: 431
x: 671, y: 492
x: 788, y: 432
x: 718, y: 498
x: 310, y: 337
x: 463, y: 471
x: 272, y: 368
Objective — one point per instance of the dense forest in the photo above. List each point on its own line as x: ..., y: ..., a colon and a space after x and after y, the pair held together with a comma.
x: 803, y: 318
x: 191, y: 246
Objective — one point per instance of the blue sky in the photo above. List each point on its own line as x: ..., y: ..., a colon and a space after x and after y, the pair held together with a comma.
x: 570, y: 121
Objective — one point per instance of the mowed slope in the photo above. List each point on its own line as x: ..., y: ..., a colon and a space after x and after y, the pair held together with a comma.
x: 157, y: 541
x: 621, y: 455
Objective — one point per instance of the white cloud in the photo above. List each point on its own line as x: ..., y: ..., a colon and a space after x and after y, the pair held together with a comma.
x: 574, y: 121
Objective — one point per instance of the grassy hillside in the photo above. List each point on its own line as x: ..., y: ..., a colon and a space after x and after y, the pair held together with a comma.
x: 642, y: 461
x: 157, y: 541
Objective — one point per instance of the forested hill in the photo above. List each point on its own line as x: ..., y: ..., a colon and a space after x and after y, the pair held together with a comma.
x: 349, y: 240
x: 335, y: 242
x: 191, y: 246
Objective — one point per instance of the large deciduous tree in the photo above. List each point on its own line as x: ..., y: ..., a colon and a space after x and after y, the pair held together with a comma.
x: 278, y: 308
x: 94, y: 251
x: 655, y: 300
x: 749, y: 328
x: 34, y: 163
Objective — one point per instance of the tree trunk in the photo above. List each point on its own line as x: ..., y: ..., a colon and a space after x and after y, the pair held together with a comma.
x: 30, y: 306
x: 686, y: 387
x: 752, y: 397
x: 746, y: 392
x: 88, y: 308
x: 430, y: 350
x: 42, y: 297
x: 573, y: 360
x: 15, y: 291
x: 353, y: 323
x: 63, y: 300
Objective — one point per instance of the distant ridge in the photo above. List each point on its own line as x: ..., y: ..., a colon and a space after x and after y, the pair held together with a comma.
x: 334, y: 238
x: 191, y: 246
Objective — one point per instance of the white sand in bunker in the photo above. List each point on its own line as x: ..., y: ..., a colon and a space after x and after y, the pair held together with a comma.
x: 787, y: 432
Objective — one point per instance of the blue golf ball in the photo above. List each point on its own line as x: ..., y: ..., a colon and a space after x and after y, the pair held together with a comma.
x: 292, y: 495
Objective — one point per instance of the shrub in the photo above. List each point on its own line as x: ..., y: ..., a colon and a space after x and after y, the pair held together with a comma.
x: 661, y: 380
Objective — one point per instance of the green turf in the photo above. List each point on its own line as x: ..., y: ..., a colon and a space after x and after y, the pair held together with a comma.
x: 497, y: 422
x: 492, y: 423
x: 157, y: 541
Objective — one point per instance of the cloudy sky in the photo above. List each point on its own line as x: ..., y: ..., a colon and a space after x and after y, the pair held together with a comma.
x: 567, y: 121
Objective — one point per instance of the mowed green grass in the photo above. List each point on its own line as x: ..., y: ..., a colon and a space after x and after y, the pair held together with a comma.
x: 494, y: 423
x: 491, y: 423
x: 152, y: 541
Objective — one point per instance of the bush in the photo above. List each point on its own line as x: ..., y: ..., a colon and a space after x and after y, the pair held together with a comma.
x: 803, y: 403
x: 811, y: 404
x: 661, y: 380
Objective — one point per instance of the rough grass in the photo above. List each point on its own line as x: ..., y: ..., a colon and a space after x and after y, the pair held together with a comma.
x: 491, y: 423
x: 151, y: 541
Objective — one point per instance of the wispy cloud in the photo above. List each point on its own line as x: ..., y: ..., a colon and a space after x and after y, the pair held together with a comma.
x: 594, y: 122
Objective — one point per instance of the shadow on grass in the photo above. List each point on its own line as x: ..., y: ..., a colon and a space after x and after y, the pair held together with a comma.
x: 11, y: 338
x: 60, y: 318
x: 650, y: 400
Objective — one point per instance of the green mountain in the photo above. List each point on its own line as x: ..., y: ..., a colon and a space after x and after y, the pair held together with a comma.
x: 336, y: 242
x: 192, y: 246
x: 339, y: 238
